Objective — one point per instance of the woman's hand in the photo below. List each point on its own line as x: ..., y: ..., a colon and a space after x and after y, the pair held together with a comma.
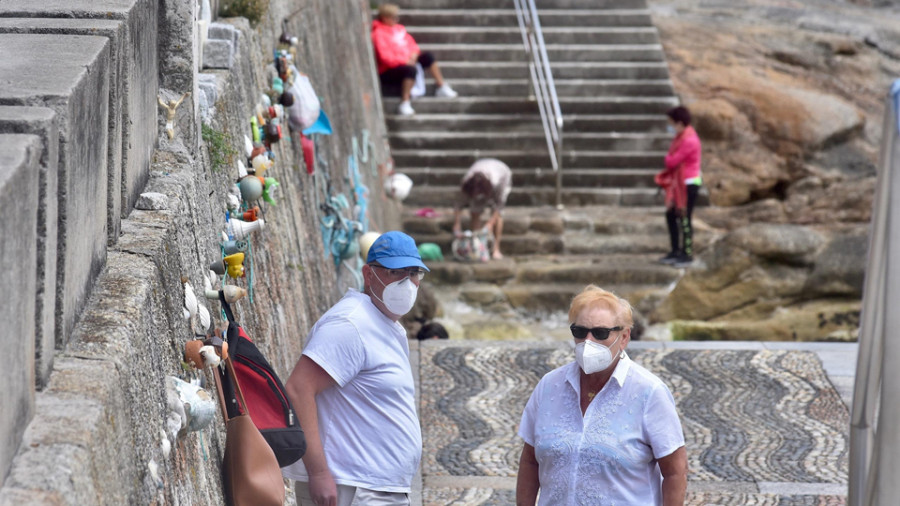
x: 413, y: 59
x: 674, y: 469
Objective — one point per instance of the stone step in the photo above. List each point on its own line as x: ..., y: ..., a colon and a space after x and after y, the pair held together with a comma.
x: 509, y: 4
x: 527, y: 159
x: 525, y: 123
x: 573, y: 223
x: 561, y: 70
x: 450, y: 34
x: 564, y: 87
x: 555, y: 52
x: 600, y: 141
x: 532, y: 243
x: 591, y: 17
x: 602, y: 270
x: 618, y: 178
x: 542, y: 195
x: 521, y: 105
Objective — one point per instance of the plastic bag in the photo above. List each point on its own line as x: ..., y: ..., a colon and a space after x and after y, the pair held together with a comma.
x: 305, y: 110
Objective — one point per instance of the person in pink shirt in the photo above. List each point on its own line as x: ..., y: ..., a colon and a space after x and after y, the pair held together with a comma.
x: 681, y: 181
x: 397, y: 53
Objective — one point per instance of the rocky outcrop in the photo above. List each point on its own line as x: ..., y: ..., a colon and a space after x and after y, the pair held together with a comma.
x: 772, y: 282
x: 788, y: 99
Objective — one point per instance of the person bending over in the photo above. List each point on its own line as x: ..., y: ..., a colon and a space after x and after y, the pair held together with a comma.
x: 397, y: 54
x: 487, y: 183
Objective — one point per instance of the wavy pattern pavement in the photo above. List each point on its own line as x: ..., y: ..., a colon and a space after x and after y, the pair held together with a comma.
x: 762, y: 427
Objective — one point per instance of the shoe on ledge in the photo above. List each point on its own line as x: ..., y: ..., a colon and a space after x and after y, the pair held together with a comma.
x: 669, y: 259
x: 445, y: 91
x: 683, y: 261
x: 405, y: 109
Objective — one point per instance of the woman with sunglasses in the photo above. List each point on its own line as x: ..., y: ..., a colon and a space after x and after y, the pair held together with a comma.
x: 602, y: 429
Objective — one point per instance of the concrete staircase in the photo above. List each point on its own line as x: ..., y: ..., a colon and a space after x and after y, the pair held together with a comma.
x: 611, y: 77
x: 614, y: 88
x: 550, y: 255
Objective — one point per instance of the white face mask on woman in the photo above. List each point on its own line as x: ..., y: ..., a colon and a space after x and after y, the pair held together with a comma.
x: 399, y: 297
x: 593, y: 356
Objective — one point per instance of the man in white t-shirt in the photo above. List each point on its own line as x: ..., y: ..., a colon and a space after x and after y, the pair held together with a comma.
x: 353, y: 389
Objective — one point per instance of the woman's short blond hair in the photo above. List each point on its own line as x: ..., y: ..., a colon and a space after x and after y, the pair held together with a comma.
x: 388, y: 11
x: 593, y: 295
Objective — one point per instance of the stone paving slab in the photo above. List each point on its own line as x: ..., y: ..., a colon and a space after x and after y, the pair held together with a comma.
x: 762, y: 425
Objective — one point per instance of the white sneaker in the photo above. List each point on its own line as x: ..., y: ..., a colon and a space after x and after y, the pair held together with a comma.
x: 405, y: 109
x: 446, y: 91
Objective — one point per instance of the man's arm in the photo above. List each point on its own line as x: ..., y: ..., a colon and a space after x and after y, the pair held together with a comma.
x: 527, y: 482
x: 674, y: 470
x: 307, y: 380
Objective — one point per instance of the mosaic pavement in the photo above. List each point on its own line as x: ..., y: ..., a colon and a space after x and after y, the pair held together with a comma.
x: 761, y: 427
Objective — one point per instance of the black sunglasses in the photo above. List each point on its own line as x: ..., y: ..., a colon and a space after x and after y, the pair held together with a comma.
x: 600, y: 333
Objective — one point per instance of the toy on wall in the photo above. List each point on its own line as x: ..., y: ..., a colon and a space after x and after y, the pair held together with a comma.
x: 240, y: 229
x: 170, y: 108
x: 233, y: 265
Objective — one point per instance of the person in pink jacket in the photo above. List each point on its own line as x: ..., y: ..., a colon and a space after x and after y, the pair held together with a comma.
x: 397, y: 53
x: 681, y: 181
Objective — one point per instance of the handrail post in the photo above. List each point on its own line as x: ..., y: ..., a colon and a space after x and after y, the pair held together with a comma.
x: 543, y: 86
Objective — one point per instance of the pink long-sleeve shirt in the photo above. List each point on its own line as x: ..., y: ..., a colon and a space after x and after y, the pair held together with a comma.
x: 685, y: 151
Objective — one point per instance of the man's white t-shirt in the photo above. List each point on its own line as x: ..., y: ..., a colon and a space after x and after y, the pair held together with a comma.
x: 368, y: 422
x: 608, y: 456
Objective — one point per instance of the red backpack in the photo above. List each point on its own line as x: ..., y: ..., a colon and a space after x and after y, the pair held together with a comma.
x: 267, y: 403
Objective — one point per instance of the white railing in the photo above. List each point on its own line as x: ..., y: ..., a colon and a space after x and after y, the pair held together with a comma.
x: 543, y: 86
x: 874, y: 428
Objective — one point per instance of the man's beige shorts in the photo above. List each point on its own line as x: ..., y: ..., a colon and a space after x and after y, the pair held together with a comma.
x: 354, y: 496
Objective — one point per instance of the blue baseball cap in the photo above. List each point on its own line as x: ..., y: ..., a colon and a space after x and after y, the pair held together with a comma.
x: 395, y: 250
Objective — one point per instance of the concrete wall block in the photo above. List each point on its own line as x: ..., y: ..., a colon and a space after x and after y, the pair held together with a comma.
x: 79, y: 95
x: 41, y: 121
x: 218, y: 54
x: 19, y: 166
x: 178, y: 56
x: 135, y: 70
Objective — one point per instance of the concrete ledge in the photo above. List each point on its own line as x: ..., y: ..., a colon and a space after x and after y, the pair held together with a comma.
x: 131, y: 26
x: 19, y: 168
x: 41, y: 121
x: 79, y: 94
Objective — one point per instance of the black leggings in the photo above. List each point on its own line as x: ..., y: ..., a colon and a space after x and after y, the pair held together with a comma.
x: 393, y: 77
x: 681, y: 233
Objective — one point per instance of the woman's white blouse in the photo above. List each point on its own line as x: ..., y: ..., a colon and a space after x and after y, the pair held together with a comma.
x: 607, y: 457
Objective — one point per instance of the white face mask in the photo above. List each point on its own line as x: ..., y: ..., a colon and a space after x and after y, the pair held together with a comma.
x: 593, y: 356
x: 399, y: 296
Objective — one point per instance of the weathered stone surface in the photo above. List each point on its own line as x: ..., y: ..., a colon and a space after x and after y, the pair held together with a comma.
x: 132, y: 330
x: 792, y: 244
x: 131, y: 26
x: 823, y: 320
x: 41, y: 121
x: 481, y: 294
x: 494, y: 271
x: 79, y: 95
x: 218, y: 54
x: 840, y: 268
x: 19, y: 170
x: 780, y: 98
x: 152, y: 201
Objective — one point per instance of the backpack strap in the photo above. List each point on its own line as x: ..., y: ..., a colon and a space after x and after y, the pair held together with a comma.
x: 226, y: 307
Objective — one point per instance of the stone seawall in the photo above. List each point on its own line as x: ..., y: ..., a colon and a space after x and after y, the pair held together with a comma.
x: 99, y: 283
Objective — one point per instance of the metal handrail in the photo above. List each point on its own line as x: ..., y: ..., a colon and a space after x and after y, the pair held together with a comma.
x: 543, y: 86
x: 874, y: 432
